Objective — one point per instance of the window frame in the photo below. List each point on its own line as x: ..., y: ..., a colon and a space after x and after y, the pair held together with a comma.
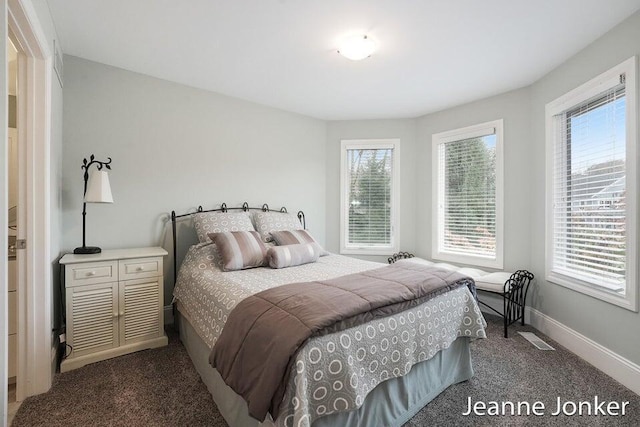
x: 561, y: 105
x: 483, y: 129
x: 347, y: 248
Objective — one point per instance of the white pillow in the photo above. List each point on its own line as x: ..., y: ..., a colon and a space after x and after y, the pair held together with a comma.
x: 221, y: 222
x: 267, y: 222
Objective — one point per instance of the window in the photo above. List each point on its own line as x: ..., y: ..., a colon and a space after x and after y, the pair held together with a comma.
x: 591, y: 187
x: 369, y: 196
x: 467, y: 191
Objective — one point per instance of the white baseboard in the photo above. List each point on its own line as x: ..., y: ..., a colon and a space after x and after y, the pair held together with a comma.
x: 168, y: 314
x: 617, y: 367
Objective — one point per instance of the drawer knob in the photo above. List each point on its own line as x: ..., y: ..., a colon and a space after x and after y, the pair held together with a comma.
x: 115, y: 314
x: 121, y: 313
x: 91, y: 273
x: 141, y: 268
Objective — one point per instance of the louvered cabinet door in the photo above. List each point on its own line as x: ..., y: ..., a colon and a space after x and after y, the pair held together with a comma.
x: 141, y: 316
x: 92, y: 318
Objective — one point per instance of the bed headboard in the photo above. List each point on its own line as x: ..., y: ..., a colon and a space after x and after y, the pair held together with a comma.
x: 223, y: 208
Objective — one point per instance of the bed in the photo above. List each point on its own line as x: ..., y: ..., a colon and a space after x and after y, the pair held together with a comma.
x: 381, y: 372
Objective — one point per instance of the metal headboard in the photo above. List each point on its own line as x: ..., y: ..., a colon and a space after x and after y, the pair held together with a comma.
x: 223, y: 208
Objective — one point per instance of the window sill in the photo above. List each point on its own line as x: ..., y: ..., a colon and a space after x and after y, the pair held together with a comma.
x: 368, y: 251
x: 468, y: 260
x: 627, y: 301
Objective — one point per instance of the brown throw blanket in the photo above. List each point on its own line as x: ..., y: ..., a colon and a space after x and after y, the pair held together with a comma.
x: 264, y: 331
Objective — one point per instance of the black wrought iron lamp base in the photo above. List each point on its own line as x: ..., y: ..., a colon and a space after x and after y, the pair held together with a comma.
x: 86, y: 250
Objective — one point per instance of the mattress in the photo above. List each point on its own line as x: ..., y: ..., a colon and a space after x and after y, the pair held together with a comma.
x: 333, y: 373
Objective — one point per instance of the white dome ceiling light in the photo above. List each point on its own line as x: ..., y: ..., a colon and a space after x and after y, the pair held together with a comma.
x: 357, y: 47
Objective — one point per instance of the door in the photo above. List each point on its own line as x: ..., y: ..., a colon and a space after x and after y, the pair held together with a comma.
x: 33, y: 118
x: 140, y: 310
x: 92, y: 318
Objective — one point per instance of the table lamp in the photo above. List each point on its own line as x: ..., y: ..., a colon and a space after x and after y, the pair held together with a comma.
x: 96, y: 190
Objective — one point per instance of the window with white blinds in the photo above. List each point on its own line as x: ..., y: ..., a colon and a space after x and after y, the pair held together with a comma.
x: 369, y: 196
x: 467, y: 190
x: 591, y: 209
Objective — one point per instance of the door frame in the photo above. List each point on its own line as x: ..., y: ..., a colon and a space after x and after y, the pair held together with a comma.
x: 4, y: 244
x: 34, y: 370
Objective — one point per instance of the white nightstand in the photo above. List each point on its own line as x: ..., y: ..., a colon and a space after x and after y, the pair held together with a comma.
x: 114, y: 304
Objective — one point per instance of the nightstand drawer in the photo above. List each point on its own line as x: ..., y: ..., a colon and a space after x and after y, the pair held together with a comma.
x: 140, y: 268
x: 90, y: 273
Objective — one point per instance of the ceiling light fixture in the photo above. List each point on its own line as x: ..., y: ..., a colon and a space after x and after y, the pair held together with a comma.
x: 357, y: 47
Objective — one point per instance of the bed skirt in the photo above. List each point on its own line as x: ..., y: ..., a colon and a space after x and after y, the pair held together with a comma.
x: 391, y: 403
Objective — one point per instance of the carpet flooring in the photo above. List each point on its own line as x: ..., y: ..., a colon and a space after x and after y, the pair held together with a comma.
x: 161, y: 387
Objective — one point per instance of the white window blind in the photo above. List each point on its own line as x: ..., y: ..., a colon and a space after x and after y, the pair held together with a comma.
x: 589, y: 189
x: 467, y: 180
x: 591, y: 240
x: 467, y: 192
x: 368, y: 196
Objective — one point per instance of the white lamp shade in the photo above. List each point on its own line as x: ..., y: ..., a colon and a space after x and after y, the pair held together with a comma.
x: 98, y: 188
x: 357, y: 47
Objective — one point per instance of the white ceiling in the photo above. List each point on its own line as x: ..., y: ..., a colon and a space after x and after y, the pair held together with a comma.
x: 432, y: 54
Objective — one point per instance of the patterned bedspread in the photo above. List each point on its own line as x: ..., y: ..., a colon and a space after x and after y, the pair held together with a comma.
x: 335, y: 372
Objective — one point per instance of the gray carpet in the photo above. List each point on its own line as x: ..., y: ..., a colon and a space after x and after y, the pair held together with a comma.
x: 513, y: 369
x: 161, y: 388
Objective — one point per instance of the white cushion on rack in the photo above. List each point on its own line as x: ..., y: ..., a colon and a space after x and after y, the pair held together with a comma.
x: 486, y: 281
x: 493, y: 282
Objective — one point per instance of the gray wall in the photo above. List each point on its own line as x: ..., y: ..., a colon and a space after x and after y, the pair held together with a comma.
x: 176, y: 147
x: 613, y: 327
x: 373, y: 129
x: 524, y: 149
x: 513, y: 107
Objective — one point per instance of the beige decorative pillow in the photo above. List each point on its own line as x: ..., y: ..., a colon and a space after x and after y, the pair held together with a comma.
x: 291, y: 255
x: 240, y: 249
x: 268, y: 222
x: 293, y: 237
x: 221, y: 222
